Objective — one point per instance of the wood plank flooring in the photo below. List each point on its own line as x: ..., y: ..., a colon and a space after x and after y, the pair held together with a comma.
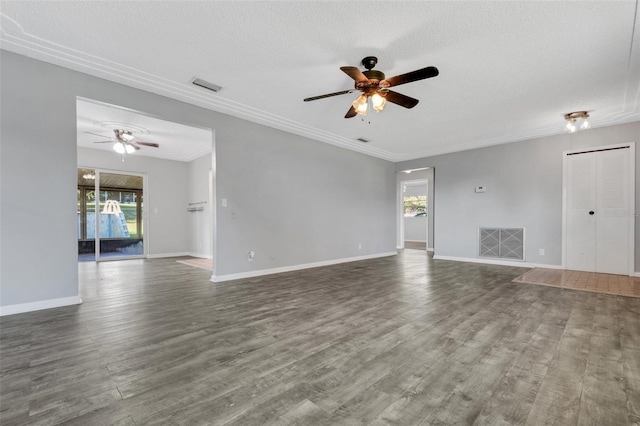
x: 415, y: 245
x: 402, y: 340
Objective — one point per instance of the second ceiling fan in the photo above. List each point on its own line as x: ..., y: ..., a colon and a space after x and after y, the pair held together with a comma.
x: 373, y: 85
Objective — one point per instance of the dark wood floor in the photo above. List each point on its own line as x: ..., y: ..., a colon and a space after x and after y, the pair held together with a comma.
x: 403, y: 340
x: 415, y: 245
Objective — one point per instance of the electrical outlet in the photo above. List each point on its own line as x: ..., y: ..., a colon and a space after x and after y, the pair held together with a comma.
x: 541, y: 252
x: 252, y: 255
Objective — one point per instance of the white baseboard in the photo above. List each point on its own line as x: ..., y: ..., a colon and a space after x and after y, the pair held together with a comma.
x: 39, y: 305
x: 200, y: 255
x: 161, y: 255
x: 399, y: 247
x: 251, y: 274
x: 636, y: 274
x: 497, y: 262
x: 415, y: 241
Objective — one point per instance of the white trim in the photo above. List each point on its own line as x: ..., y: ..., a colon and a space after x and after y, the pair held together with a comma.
x: 15, y: 39
x: 636, y: 274
x: 632, y: 199
x: 430, y: 249
x: 258, y: 273
x: 415, y: 241
x: 517, y: 263
x: 400, y: 207
x: 163, y: 255
x: 39, y: 305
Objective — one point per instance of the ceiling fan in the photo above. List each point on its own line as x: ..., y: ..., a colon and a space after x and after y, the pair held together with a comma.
x: 124, y: 143
x: 373, y: 85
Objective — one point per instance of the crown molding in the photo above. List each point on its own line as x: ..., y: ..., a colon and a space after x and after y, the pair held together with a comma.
x: 13, y: 38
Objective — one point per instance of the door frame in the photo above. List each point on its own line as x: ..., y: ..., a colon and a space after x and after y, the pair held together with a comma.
x: 424, y: 181
x: 632, y: 203
x: 145, y: 217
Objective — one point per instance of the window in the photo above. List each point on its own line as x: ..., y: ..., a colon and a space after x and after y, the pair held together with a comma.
x: 415, y: 205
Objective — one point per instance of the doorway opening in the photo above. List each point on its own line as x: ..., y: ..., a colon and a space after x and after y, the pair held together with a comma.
x: 418, y: 185
x: 175, y: 216
x: 415, y: 228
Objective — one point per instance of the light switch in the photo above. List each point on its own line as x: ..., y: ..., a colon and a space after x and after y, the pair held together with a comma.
x: 481, y: 189
x: 224, y: 202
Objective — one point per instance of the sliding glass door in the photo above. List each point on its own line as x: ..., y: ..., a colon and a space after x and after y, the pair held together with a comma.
x: 110, y: 212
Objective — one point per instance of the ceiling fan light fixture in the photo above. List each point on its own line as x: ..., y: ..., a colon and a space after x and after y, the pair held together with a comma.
x: 361, y: 104
x: 119, y: 148
x: 578, y: 120
x: 378, y: 102
x: 126, y: 136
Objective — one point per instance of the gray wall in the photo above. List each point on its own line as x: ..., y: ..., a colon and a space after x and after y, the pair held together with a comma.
x: 291, y: 198
x: 294, y: 201
x: 524, y: 188
x: 200, y: 223
x: 166, y: 228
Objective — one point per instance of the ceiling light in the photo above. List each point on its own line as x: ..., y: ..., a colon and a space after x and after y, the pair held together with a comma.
x: 378, y: 102
x: 126, y: 136
x: 360, y: 105
x: 121, y: 148
x: 88, y: 176
x: 577, y: 121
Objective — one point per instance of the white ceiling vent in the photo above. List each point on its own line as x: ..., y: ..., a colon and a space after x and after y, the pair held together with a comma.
x: 205, y: 84
x: 363, y: 140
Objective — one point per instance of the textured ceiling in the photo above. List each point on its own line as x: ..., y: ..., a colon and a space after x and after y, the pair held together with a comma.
x: 508, y: 70
x: 177, y: 141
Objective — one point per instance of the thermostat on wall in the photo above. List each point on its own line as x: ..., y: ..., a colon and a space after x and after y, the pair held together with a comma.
x: 481, y: 189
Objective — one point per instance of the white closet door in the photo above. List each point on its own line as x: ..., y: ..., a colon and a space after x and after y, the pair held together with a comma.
x: 581, y: 201
x: 612, y: 214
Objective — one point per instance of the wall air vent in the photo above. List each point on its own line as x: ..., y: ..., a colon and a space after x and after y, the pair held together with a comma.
x: 205, y: 84
x: 501, y: 243
x: 363, y: 140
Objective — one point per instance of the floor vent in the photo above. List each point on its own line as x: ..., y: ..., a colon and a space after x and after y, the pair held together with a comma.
x: 501, y: 243
x: 206, y: 85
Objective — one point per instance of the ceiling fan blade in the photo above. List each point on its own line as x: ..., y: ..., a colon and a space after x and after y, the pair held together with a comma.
x: 351, y: 113
x: 134, y: 145
x: 104, y: 142
x: 95, y: 134
x: 151, y: 144
x: 328, y: 95
x: 355, y: 74
x: 409, y: 77
x: 400, y: 99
